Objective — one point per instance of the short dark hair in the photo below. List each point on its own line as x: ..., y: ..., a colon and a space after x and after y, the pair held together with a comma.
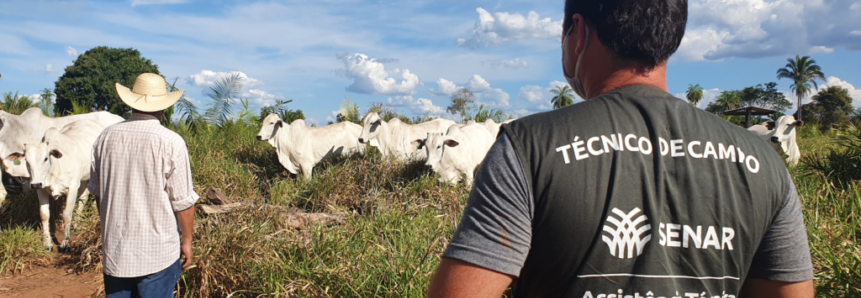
x: 642, y: 31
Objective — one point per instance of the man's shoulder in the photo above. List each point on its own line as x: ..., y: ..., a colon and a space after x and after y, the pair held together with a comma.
x: 156, y: 131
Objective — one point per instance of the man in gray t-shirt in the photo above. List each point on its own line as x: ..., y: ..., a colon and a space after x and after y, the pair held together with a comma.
x: 632, y: 193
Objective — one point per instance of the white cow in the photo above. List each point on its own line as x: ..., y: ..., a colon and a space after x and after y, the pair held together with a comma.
x: 458, y: 152
x: 300, y: 147
x: 782, y: 137
x: 395, y: 138
x: 29, y: 127
x: 60, y: 165
x: 493, y: 127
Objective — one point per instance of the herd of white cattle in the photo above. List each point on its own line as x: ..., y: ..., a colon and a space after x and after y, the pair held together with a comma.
x: 450, y: 149
x: 53, y: 155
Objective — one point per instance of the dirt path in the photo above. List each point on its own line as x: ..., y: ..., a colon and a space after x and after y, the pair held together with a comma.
x: 50, y: 282
x: 56, y: 280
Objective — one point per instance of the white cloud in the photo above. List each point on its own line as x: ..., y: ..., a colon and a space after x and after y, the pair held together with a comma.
x: 152, y: 2
x: 856, y: 33
x: 260, y: 98
x: 49, y: 69
x: 71, y: 51
x: 418, y: 106
x: 536, y: 96
x: 494, y: 98
x: 444, y: 88
x: 477, y: 84
x: 370, y: 77
x: 37, y: 98
x: 207, y: 78
x: 539, y: 98
x: 492, y: 30
x: 521, y: 113
x: 515, y: 63
x: 719, y: 29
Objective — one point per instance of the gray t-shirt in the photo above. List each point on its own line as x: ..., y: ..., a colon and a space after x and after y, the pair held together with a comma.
x: 496, y: 229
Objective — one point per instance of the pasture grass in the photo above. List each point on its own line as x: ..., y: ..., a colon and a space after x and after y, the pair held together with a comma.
x: 20, y: 248
x: 399, y: 221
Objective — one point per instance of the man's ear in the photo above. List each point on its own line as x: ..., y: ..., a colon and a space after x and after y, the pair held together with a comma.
x: 419, y: 142
x: 56, y: 153
x: 798, y: 123
x: 451, y: 143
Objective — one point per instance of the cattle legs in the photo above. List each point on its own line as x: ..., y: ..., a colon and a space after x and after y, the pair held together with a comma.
x: 45, y: 213
x: 71, y: 197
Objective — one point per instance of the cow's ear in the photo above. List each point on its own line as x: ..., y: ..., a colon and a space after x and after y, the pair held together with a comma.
x: 451, y: 143
x: 419, y: 142
x: 279, y: 124
x: 378, y: 122
x: 798, y: 123
x: 14, y: 156
x: 56, y: 153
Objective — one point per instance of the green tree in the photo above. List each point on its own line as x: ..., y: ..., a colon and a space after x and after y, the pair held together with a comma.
x: 45, y: 102
x: 16, y: 104
x: 831, y: 107
x: 279, y: 108
x: 223, y: 93
x: 90, y: 80
x: 694, y: 94
x: 727, y: 100
x: 482, y: 115
x: 461, y: 103
x: 292, y: 115
x: 803, y: 71
x: 765, y: 96
x: 385, y: 112
x: 349, y: 112
x: 564, y: 97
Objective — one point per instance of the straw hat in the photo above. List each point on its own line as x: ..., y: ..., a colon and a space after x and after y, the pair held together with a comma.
x: 149, y: 94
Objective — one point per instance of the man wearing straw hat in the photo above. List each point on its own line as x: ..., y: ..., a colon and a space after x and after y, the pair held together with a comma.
x: 141, y: 178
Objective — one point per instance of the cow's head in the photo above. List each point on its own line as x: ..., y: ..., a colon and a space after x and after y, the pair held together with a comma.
x: 269, y: 127
x: 448, y: 155
x: 784, y: 131
x: 432, y: 146
x: 371, y: 128
x: 40, y: 158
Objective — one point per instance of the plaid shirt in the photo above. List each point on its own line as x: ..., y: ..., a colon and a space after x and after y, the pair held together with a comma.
x: 141, y: 173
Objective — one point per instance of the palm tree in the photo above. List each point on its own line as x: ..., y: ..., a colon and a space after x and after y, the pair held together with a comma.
x: 802, y: 71
x: 563, y: 97
x: 694, y: 94
x: 223, y: 94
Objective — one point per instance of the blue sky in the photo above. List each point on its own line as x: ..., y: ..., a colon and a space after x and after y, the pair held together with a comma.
x: 409, y: 54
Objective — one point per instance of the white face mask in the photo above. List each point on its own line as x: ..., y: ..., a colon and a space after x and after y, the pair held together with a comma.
x: 574, y: 82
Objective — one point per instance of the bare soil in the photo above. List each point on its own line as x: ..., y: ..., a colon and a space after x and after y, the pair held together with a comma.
x: 56, y: 280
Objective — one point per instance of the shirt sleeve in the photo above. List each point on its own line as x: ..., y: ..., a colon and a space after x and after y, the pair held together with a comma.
x: 495, y: 231
x: 784, y: 254
x: 179, y: 186
x: 93, y: 183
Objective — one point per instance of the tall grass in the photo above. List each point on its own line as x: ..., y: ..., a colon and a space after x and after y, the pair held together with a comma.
x: 399, y: 220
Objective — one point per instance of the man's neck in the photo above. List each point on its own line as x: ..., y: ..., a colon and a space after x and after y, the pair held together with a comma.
x: 157, y: 115
x: 627, y: 76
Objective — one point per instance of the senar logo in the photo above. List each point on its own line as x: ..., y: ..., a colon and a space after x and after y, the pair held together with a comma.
x: 626, y: 235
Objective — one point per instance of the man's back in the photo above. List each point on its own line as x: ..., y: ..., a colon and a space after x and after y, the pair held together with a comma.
x: 143, y: 178
x: 636, y: 191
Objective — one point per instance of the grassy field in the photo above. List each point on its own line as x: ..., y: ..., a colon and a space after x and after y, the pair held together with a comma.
x: 399, y: 220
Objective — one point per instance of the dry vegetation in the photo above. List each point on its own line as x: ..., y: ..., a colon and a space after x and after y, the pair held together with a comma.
x: 399, y: 220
